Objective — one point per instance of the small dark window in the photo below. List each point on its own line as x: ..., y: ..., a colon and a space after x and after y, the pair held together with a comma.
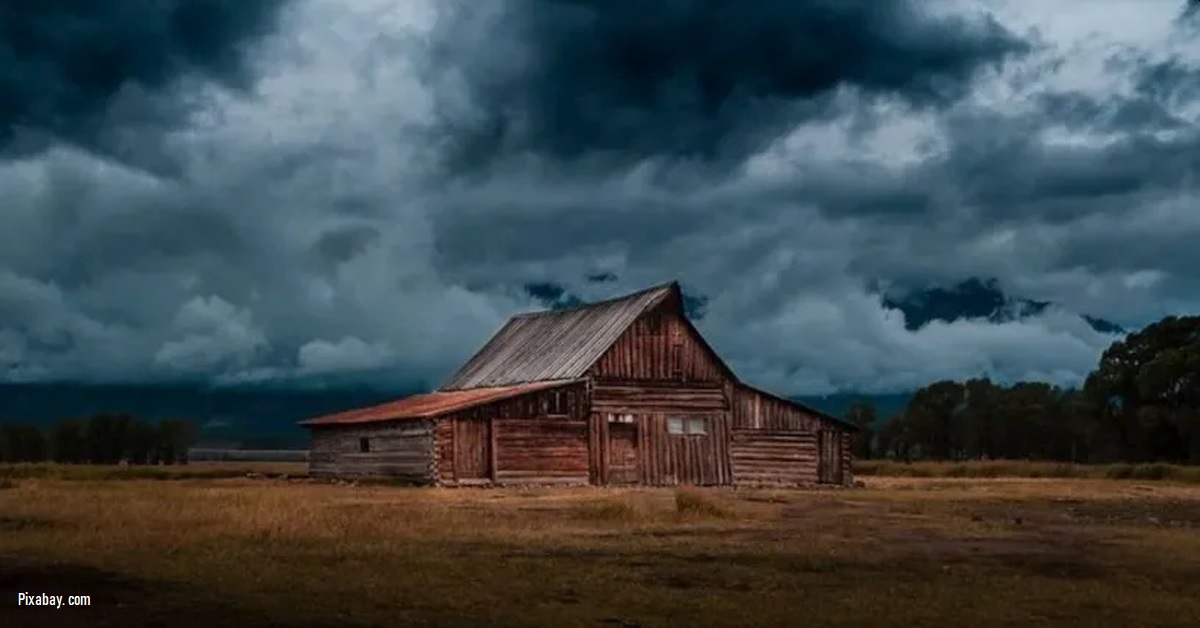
x: 677, y: 362
x: 364, y: 445
x: 556, y: 403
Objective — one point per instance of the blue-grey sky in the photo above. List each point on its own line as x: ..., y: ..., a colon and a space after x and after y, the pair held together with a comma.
x: 242, y: 191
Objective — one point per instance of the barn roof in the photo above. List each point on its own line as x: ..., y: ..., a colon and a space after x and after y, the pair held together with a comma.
x: 537, y: 351
x: 555, y: 345
x: 432, y: 404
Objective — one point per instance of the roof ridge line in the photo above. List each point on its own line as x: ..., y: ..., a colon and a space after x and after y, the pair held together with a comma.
x: 610, y: 300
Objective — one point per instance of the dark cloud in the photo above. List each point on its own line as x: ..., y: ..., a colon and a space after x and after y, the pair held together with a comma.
x: 785, y: 174
x: 71, y: 70
x: 694, y: 79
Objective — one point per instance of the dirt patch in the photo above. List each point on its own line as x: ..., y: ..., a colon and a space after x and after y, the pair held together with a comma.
x: 1152, y: 512
x: 24, y: 524
x: 1043, y: 551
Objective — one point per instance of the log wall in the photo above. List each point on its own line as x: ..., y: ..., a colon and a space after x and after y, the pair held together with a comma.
x: 777, y: 442
x: 541, y: 451
x: 762, y: 457
x: 402, y: 450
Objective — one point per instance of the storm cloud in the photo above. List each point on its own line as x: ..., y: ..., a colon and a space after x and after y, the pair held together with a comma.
x: 701, y: 79
x: 106, y: 74
x: 316, y: 191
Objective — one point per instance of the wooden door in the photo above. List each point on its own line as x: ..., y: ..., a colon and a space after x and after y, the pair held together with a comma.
x: 472, y: 449
x: 622, y: 453
x: 829, y: 457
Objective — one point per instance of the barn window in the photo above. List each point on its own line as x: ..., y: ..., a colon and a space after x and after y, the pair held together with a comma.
x: 556, y: 403
x: 364, y: 445
x: 687, y: 425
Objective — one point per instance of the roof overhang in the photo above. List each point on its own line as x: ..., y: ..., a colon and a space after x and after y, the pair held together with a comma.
x: 432, y: 405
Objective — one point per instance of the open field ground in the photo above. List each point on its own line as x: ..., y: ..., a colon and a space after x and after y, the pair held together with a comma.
x: 1028, y: 469
x: 197, y: 550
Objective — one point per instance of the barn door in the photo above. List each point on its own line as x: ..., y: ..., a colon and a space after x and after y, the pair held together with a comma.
x: 829, y: 464
x: 472, y: 449
x: 622, y: 453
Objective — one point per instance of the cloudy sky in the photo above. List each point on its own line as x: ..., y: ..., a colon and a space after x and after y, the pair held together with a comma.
x: 238, y: 191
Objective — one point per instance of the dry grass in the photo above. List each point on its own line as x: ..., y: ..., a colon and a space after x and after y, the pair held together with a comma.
x: 900, y: 552
x: 195, y: 470
x: 1027, y: 469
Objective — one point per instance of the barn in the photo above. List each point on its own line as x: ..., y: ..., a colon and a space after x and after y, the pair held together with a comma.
x: 623, y: 391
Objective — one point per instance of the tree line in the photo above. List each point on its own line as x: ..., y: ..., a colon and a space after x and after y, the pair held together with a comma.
x: 101, y: 439
x: 1140, y: 404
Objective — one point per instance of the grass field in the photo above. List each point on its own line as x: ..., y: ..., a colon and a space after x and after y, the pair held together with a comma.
x: 1025, y: 469
x: 202, y: 549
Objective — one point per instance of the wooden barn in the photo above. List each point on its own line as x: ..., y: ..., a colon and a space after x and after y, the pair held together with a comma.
x: 624, y: 391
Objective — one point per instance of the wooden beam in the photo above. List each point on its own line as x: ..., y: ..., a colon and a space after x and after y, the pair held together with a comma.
x: 492, y: 448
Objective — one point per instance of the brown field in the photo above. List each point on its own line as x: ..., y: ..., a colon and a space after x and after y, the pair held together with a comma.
x: 199, y: 549
x: 1024, y: 469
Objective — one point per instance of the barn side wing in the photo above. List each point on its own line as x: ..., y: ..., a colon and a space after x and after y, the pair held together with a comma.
x: 776, y: 441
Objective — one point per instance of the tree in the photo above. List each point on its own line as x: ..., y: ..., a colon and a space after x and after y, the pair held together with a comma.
x: 931, y: 416
x: 25, y: 442
x: 174, y: 438
x: 1147, y: 388
x: 895, y: 438
x: 142, y: 437
x: 68, y: 441
x: 862, y: 415
x: 108, y: 438
x: 980, y: 430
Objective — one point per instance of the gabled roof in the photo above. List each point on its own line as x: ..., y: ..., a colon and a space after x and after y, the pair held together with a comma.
x: 555, y: 345
x: 538, y: 351
x: 430, y: 405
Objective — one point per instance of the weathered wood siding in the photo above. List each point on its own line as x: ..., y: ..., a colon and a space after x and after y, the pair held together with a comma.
x: 637, y: 447
x: 541, y: 451
x: 402, y: 450
x: 627, y: 397
x: 774, y: 457
x: 659, y: 346
x: 775, y: 442
x: 538, y: 438
x: 755, y: 411
x: 657, y: 457
x: 848, y: 439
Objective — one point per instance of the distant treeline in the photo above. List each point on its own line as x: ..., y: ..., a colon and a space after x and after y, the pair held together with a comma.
x: 1140, y: 404
x: 101, y: 439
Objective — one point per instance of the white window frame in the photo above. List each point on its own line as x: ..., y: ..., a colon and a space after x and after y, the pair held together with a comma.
x: 688, y: 425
